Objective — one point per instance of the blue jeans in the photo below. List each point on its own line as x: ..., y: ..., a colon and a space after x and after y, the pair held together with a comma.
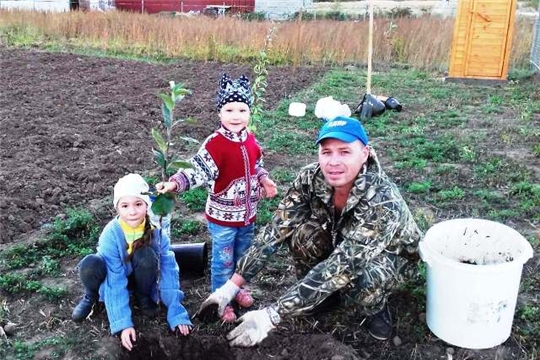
x: 228, y: 246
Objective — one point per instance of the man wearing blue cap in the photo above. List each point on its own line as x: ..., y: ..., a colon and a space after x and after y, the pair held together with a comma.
x: 351, y: 234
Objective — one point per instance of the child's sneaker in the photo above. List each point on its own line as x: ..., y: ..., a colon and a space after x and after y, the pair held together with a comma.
x: 228, y: 315
x: 243, y: 298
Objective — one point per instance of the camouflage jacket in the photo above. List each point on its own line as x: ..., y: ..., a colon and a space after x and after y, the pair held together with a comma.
x: 375, y: 220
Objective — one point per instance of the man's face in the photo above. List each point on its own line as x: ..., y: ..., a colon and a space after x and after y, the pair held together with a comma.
x: 234, y: 116
x: 341, y: 162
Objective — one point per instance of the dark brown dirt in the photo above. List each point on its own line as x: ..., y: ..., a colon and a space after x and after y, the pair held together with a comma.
x: 72, y: 125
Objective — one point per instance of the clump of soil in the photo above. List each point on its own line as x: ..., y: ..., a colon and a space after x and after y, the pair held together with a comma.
x: 277, y: 346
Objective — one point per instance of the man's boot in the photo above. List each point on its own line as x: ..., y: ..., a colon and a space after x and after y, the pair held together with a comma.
x: 380, y: 325
x: 84, y: 307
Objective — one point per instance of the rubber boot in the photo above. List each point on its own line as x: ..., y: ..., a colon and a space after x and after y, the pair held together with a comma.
x: 84, y: 307
x: 92, y: 271
x: 147, y: 306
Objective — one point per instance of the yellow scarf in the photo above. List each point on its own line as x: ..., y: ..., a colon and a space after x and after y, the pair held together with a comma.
x: 132, y: 234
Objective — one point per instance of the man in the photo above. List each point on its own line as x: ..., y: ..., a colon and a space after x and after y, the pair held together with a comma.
x: 351, y: 234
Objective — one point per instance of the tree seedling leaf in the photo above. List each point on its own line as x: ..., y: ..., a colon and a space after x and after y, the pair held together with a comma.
x: 164, y: 204
x: 162, y: 145
x: 167, y: 101
x: 159, y: 157
x: 190, y: 139
x: 175, y: 165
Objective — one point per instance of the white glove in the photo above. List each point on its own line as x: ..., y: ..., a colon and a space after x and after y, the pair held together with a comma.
x: 221, y: 297
x: 254, y: 328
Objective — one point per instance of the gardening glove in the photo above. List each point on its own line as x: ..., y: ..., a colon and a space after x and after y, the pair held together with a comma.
x: 221, y: 297
x: 254, y: 327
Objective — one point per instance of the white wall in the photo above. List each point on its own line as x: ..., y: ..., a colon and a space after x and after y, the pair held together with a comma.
x: 281, y: 9
x: 40, y: 5
x: 445, y: 8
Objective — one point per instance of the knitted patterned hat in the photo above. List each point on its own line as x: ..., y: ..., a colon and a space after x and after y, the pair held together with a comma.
x: 238, y: 90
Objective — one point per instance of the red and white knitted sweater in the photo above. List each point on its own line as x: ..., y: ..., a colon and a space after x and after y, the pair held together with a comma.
x: 231, y: 165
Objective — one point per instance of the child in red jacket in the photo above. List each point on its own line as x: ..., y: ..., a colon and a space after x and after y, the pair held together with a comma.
x: 230, y: 163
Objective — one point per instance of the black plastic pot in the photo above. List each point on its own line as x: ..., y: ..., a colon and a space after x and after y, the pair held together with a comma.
x: 393, y: 104
x: 192, y: 258
x: 369, y: 107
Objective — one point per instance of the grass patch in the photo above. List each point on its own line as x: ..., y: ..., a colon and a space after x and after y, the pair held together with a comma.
x: 195, y: 199
x: 186, y: 227
x: 74, y: 235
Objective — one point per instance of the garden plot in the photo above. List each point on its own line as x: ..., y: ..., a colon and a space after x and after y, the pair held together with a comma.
x: 71, y: 125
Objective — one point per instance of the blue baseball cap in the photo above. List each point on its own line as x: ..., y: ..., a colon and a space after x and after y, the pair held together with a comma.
x: 343, y: 128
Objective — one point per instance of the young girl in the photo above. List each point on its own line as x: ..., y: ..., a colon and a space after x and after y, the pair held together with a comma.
x: 230, y: 161
x: 131, y: 255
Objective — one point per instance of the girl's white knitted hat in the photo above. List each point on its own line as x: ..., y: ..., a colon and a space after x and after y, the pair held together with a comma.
x: 131, y: 184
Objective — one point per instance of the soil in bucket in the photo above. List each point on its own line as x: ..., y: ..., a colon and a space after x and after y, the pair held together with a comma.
x: 473, y: 274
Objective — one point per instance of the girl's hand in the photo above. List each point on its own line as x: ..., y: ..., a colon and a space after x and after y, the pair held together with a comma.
x: 184, y: 329
x: 269, y: 186
x: 128, y: 337
x: 165, y: 187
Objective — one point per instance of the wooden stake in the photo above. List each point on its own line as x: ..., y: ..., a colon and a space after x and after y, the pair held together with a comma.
x: 370, y: 48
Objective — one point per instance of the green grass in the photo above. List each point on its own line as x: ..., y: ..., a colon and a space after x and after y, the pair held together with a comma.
x: 186, y: 227
x: 75, y: 235
x: 265, y: 210
x: 419, y: 187
x: 195, y: 199
x: 15, y: 283
x: 27, y: 351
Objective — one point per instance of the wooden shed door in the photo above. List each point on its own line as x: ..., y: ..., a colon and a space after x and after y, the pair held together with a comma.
x: 487, y: 41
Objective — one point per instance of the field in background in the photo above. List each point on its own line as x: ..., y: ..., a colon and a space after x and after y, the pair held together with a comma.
x: 423, y: 43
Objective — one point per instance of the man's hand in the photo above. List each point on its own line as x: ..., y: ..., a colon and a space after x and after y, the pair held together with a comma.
x: 128, y: 337
x: 221, y: 297
x: 254, y: 328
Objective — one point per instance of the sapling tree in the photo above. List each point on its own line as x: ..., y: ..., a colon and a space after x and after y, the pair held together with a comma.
x: 259, y: 85
x: 168, y: 164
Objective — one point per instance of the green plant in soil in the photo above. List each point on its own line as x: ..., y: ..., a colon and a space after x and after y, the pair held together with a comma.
x: 259, y: 85
x: 195, y: 199
x: 187, y: 227
x: 168, y: 163
x: 75, y: 234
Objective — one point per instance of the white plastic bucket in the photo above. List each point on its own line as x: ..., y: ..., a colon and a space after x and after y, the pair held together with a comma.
x: 473, y: 273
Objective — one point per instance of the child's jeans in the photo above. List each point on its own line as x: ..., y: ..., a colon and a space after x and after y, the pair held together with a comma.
x: 228, y: 246
x: 93, y: 272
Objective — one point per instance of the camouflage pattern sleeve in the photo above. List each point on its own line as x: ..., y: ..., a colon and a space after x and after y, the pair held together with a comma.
x: 380, y: 221
x: 376, y: 220
x: 292, y: 211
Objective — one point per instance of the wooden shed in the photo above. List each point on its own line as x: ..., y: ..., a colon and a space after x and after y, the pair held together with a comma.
x: 156, y: 6
x: 482, y: 39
